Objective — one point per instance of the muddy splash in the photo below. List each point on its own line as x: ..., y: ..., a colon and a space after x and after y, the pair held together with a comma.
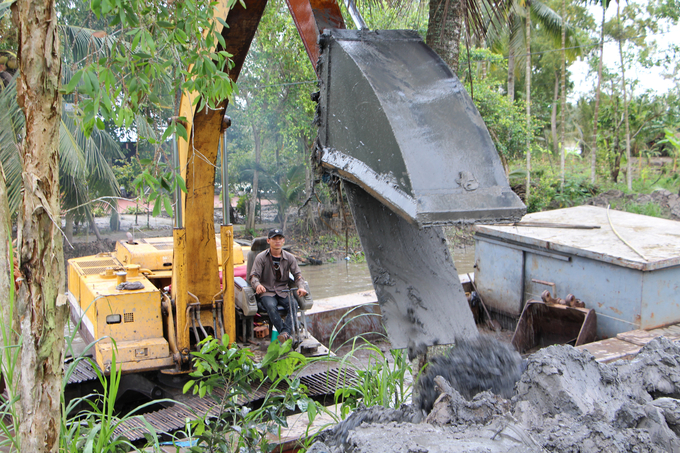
x: 564, y: 401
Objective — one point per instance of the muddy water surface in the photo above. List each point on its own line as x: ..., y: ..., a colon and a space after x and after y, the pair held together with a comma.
x: 337, y: 279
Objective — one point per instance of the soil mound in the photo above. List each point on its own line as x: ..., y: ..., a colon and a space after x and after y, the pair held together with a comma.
x: 564, y: 401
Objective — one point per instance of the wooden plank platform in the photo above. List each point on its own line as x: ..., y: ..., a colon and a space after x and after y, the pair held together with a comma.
x: 626, y: 345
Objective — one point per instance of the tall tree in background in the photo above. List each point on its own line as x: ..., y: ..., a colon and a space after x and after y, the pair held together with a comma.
x: 513, y: 30
x: 598, y: 91
x: 563, y: 99
x: 629, y: 172
x: 444, y: 30
x: 40, y: 308
x: 257, y: 150
x: 527, y: 5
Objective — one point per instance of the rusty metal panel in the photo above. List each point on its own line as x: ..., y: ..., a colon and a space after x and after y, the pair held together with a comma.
x: 614, y: 292
x: 501, y: 276
x: 543, y: 325
x: 398, y: 123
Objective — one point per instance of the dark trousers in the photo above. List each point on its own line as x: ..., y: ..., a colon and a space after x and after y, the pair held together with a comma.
x: 270, y: 303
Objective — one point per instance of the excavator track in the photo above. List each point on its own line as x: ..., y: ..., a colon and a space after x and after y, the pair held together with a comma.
x: 192, y: 407
x: 83, y: 372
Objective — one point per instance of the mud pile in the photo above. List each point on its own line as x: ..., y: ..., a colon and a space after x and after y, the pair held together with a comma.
x: 668, y: 201
x: 564, y: 401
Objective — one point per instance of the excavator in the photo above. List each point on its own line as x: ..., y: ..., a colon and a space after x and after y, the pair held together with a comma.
x: 395, y: 126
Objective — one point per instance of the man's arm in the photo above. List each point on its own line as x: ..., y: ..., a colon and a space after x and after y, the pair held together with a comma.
x: 256, y: 274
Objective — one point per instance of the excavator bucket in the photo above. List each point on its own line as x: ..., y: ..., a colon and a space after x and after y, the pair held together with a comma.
x: 397, y: 122
x: 397, y: 125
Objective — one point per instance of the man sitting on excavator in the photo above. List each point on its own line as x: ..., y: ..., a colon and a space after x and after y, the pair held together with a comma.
x: 269, y: 277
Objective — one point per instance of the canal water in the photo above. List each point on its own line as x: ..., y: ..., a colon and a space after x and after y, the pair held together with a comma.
x: 345, y: 277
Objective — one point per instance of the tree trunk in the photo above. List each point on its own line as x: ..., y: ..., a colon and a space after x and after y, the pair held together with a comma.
x: 253, y: 195
x: 553, y: 115
x: 618, y: 152
x: 443, y: 30
x: 511, y: 74
x: 528, y: 99
x: 593, y: 150
x: 563, y: 103
x: 629, y: 175
x: 310, y: 223
x: 40, y: 309
x: 93, y: 224
x: 616, y: 164
x: 68, y: 229
x: 483, y: 65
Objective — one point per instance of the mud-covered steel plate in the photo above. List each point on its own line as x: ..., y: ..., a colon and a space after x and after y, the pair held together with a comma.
x: 396, y: 121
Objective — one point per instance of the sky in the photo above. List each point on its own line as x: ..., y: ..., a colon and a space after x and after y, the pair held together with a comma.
x: 647, y: 78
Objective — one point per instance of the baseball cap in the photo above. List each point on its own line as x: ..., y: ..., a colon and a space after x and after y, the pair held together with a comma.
x: 275, y: 232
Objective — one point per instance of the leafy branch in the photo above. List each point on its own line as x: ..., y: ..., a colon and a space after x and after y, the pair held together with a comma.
x: 156, y: 49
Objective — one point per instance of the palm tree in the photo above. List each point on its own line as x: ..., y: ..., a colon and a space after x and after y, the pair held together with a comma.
x: 515, y: 33
x: 84, y: 170
x: 289, y: 188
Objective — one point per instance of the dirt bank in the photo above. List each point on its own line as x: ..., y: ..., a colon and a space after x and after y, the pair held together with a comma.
x: 667, y: 201
x: 564, y: 401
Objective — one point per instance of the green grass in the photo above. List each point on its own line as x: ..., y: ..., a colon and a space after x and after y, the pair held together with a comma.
x: 546, y: 192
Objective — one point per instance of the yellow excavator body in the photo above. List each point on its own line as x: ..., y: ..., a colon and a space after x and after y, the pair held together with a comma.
x: 117, y: 300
